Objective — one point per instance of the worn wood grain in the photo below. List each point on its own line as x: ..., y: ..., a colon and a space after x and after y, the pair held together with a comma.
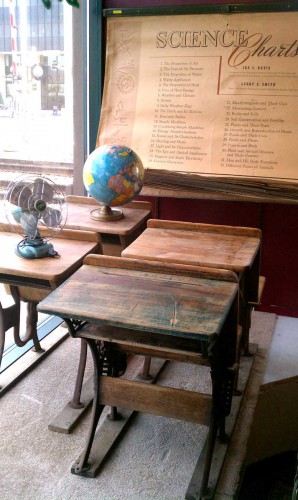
x: 208, y: 228
x: 55, y: 270
x: 200, y: 247
x: 135, y: 214
x: 160, y: 268
x: 151, y: 302
x: 170, y: 402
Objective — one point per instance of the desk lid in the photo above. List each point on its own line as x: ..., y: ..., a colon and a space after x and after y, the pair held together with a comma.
x: 141, y: 296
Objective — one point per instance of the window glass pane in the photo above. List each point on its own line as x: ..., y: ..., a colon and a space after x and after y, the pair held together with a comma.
x: 36, y: 106
x: 36, y: 98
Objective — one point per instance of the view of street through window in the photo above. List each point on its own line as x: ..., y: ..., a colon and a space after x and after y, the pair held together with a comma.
x: 36, y: 103
x: 41, y: 142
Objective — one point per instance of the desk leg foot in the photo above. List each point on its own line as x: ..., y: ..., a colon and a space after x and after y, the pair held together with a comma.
x: 156, y: 365
x: 144, y: 374
x: 247, y: 353
x: 114, y: 414
x: 194, y: 491
x: 81, y: 400
x: 110, y: 431
x: 69, y: 417
x: 198, y: 487
x: 38, y: 348
x: 105, y: 439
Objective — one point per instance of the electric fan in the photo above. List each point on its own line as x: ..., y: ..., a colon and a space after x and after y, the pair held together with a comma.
x: 35, y: 207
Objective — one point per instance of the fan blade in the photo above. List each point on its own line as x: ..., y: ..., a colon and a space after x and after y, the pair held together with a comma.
x: 29, y: 221
x: 52, y: 218
x: 19, y: 195
x: 43, y: 190
x: 16, y: 213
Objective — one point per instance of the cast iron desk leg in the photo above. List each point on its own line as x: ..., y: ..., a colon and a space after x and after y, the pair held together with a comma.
x: 31, y: 328
x: 81, y: 466
x: 9, y: 318
x: 75, y: 402
x: 223, y: 379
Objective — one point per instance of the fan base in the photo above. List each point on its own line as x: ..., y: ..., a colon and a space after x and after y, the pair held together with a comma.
x: 35, y: 249
x: 106, y: 213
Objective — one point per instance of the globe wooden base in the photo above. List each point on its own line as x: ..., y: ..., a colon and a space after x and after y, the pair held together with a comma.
x: 106, y: 213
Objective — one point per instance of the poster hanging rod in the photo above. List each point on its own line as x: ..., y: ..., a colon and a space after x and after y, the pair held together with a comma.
x: 203, y: 9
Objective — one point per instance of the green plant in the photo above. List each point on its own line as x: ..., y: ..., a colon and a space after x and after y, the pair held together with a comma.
x: 73, y: 3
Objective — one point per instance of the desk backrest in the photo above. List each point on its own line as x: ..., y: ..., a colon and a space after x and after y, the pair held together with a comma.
x: 73, y: 234
x: 211, y: 228
x: 160, y: 267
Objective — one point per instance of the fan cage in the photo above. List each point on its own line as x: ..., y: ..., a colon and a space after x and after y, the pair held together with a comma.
x: 40, y: 197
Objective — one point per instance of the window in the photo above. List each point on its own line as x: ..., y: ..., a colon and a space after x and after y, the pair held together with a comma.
x: 44, y: 117
x: 36, y: 118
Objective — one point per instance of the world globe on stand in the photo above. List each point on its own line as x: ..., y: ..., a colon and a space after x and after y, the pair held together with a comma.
x: 113, y: 175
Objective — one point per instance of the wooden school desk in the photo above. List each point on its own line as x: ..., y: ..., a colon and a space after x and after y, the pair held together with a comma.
x: 30, y: 280
x: 116, y: 235
x: 223, y: 247
x: 167, y: 310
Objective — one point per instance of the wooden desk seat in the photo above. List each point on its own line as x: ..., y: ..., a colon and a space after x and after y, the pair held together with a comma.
x: 214, y: 246
x: 160, y: 309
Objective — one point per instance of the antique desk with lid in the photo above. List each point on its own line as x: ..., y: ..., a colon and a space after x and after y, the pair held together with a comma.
x: 171, y: 311
x: 116, y: 235
x: 30, y: 280
x: 215, y: 246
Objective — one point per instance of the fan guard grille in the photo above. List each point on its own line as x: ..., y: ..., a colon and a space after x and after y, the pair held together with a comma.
x: 35, y: 207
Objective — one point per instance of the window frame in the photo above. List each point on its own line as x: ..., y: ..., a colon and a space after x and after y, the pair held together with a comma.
x: 88, y: 83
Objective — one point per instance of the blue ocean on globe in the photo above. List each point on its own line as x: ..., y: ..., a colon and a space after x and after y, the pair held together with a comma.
x: 113, y: 175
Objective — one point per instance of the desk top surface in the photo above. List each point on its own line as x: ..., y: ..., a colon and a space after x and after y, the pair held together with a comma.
x: 78, y: 217
x: 71, y: 254
x: 200, y: 248
x: 176, y: 305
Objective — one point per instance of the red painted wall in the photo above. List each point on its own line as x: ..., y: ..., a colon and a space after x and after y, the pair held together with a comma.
x: 279, y: 223
x: 279, y: 258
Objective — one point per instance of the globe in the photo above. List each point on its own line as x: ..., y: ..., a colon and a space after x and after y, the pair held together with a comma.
x: 113, y: 175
